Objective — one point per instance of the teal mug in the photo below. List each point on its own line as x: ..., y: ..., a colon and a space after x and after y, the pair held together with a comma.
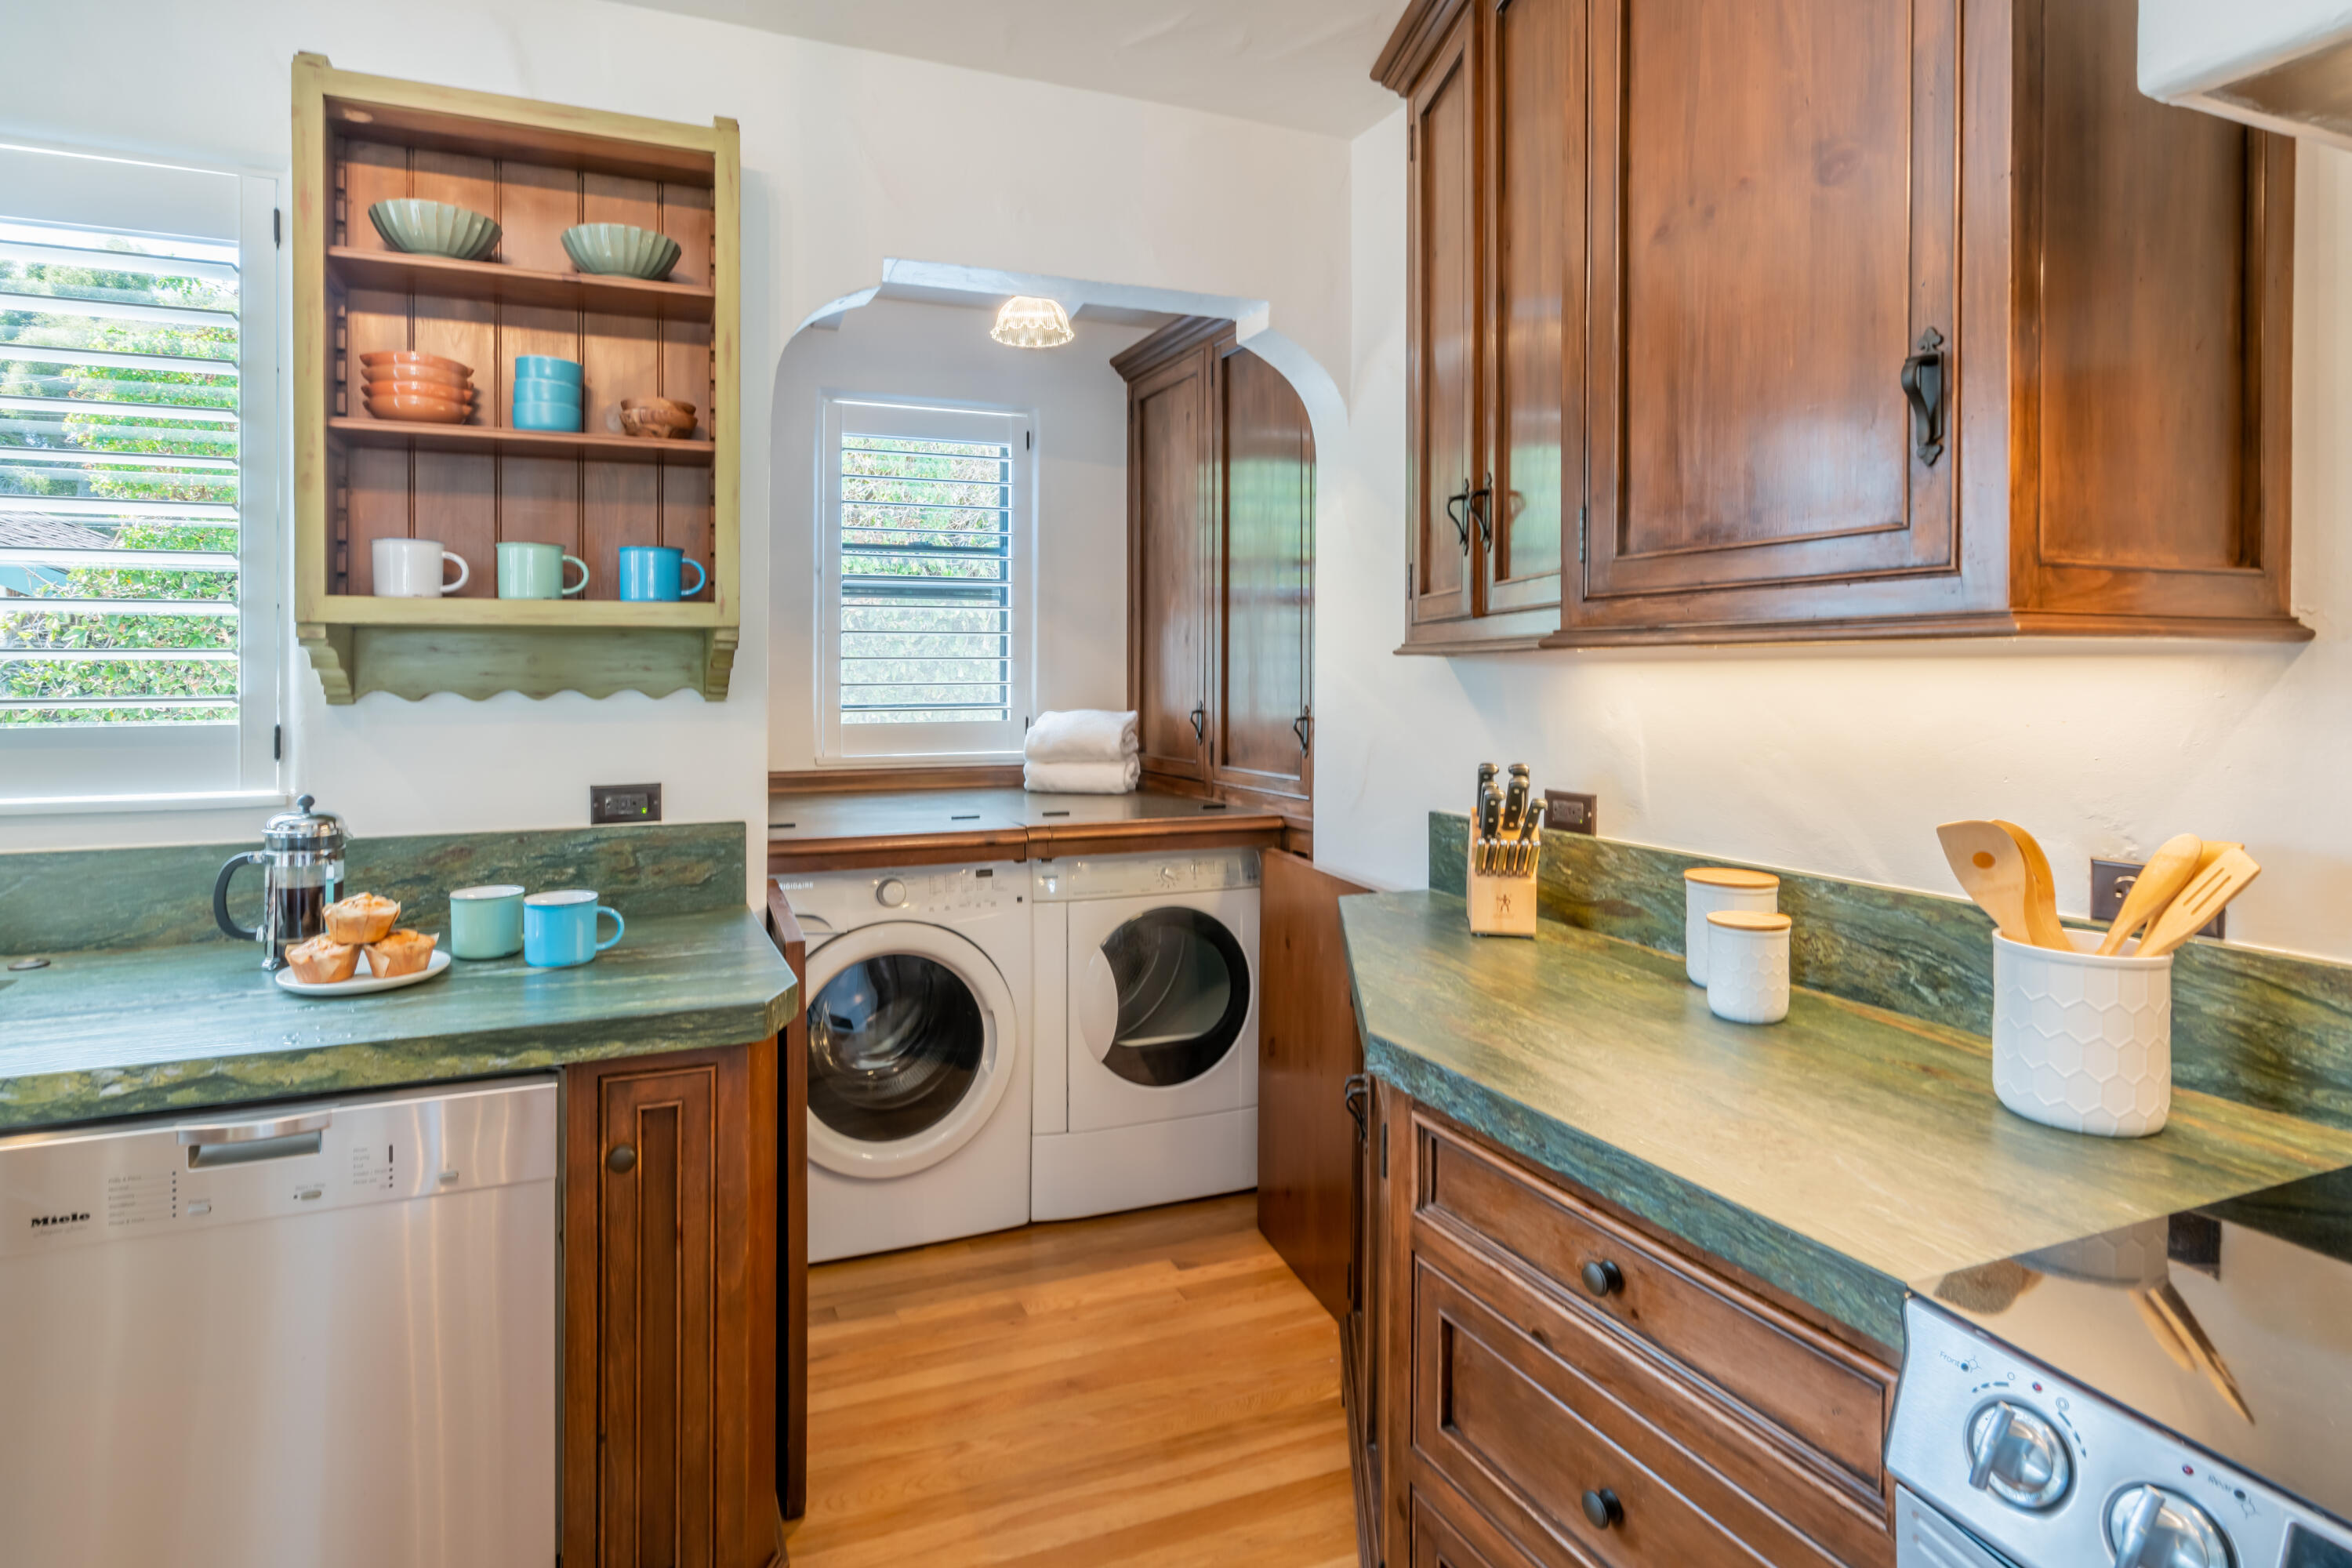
x: 486, y: 922
x: 559, y: 929
x: 528, y: 571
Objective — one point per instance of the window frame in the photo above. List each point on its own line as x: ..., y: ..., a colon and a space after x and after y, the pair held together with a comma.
x: 80, y: 770
x: 865, y: 745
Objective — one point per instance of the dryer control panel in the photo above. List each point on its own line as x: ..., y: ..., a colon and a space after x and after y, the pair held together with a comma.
x: 1141, y: 876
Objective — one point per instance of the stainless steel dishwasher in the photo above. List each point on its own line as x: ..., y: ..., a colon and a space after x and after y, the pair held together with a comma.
x: 321, y: 1335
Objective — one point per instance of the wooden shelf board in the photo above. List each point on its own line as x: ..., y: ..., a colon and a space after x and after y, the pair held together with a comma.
x: 600, y: 614
x: 404, y: 274
x: 369, y: 432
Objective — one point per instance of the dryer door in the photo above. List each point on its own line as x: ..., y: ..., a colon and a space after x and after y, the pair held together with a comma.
x: 1162, y: 1016
x: 910, y: 1042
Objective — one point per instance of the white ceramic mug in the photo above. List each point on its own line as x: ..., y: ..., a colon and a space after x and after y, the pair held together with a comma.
x: 412, y: 569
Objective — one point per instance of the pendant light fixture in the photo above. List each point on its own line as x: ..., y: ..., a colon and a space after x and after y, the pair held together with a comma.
x: 1026, y: 323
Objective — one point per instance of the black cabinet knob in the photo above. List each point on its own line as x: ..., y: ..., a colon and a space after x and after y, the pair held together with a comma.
x: 1603, y: 1278
x: 1603, y: 1509
x: 621, y: 1160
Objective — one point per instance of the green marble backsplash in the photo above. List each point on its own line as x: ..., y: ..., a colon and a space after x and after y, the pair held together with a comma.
x: 79, y: 900
x: 2262, y: 1028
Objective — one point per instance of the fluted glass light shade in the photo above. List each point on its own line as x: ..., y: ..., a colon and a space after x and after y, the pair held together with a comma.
x: 1031, y: 323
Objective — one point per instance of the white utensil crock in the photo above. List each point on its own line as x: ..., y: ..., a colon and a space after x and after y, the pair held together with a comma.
x: 1706, y: 889
x: 413, y: 569
x: 2082, y: 1042
x: 1748, y: 965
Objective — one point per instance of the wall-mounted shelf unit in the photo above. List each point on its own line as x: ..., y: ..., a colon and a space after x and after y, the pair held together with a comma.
x: 537, y: 169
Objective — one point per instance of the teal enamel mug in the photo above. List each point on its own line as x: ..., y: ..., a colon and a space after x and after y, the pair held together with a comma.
x: 486, y: 922
x: 559, y: 929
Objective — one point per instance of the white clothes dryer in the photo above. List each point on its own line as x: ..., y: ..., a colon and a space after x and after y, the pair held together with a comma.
x: 1147, y: 992
x: 918, y: 1090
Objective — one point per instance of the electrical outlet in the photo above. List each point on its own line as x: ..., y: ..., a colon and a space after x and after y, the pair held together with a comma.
x: 624, y: 802
x: 2112, y: 879
x: 1566, y: 811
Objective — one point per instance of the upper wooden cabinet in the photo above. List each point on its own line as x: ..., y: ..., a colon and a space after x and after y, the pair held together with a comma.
x: 1171, y: 482
x: 1872, y: 318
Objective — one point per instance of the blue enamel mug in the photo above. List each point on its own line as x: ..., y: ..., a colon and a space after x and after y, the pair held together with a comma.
x: 656, y: 571
x: 559, y: 929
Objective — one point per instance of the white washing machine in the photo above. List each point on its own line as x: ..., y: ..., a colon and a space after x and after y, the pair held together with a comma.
x: 1146, y: 1030
x: 918, y: 1068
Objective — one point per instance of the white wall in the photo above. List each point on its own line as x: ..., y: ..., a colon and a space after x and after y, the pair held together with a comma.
x: 898, y: 347
x: 1842, y: 759
x: 849, y: 157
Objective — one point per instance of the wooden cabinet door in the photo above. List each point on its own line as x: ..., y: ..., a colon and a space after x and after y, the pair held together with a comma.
x: 669, y: 1381
x: 1772, y: 211
x: 1172, y: 462
x: 1264, y: 630
x: 1443, y: 343
x: 1534, y: 77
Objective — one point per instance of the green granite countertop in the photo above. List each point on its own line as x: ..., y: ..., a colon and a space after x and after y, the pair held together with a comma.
x: 174, y: 1028
x: 1836, y: 1155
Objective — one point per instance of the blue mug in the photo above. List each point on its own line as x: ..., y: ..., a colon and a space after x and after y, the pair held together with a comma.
x: 654, y: 572
x: 559, y: 929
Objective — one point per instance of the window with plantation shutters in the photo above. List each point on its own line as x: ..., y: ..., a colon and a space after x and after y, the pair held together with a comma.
x: 137, y: 516
x: 927, y: 570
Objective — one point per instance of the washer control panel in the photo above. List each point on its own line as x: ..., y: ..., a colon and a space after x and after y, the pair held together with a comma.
x: 922, y: 889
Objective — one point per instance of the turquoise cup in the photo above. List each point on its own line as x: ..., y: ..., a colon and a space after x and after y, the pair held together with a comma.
x: 559, y: 929
x: 486, y: 922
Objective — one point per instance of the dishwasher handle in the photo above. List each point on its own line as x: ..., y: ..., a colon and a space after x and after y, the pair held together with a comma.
x: 263, y: 1131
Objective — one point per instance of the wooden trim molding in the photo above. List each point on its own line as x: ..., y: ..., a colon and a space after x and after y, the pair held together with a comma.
x: 1178, y: 336
x: 863, y: 852
x: 1236, y: 831
x: 837, y: 781
x: 1415, y: 40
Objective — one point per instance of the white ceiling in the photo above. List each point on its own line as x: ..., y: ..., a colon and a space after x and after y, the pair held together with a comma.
x: 1301, y: 63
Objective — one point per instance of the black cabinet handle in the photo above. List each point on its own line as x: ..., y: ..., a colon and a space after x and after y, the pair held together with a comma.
x: 1460, y: 498
x: 1200, y: 722
x: 1482, y: 510
x: 1354, y: 1094
x: 1923, y: 384
x: 1603, y: 1509
x: 621, y: 1160
x: 1298, y: 727
x: 1602, y: 1277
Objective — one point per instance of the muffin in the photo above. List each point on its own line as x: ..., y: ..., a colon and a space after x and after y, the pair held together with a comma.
x: 402, y: 952
x: 322, y: 961
x: 362, y: 919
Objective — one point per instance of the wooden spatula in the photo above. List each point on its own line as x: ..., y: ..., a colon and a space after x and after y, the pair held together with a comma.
x: 1991, y: 871
x: 2041, y: 924
x: 2208, y: 893
x: 2159, y: 883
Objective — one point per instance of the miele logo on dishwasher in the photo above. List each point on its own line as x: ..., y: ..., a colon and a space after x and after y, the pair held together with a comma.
x: 52, y: 1221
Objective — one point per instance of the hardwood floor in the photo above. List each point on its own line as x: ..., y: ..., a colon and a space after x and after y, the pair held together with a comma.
x: 1152, y: 1389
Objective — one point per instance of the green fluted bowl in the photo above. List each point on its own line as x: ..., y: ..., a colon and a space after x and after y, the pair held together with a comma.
x: 434, y: 229
x: 620, y: 248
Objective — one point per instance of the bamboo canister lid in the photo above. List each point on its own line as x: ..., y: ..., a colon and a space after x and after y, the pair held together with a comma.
x: 1748, y: 919
x: 1730, y: 877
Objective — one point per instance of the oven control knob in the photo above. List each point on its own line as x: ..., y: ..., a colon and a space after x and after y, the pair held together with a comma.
x: 2017, y: 1455
x: 2151, y: 1528
x: 890, y: 893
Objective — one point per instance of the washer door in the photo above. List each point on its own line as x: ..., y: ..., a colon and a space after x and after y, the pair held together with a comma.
x: 1165, y: 996
x: 910, y: 1042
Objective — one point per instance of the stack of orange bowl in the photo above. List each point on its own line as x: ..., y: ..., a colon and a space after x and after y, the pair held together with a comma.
x: 418, y: 388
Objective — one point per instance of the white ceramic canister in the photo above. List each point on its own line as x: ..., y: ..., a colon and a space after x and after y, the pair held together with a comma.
x: 1706, y: 889
x: 2082, y: 1042
x: 1748, y: 965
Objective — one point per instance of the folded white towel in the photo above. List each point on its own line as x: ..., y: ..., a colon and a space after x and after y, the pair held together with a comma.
x: 1082, y: 778
x: 1081, y: 735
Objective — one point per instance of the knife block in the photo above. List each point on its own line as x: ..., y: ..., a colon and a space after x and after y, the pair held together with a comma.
x: 1503, y: 904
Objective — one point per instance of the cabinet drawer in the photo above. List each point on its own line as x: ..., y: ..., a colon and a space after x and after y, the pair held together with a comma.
x: 1824, y: 1397
x: 1533, y: 1440
x: 1439, y: 1542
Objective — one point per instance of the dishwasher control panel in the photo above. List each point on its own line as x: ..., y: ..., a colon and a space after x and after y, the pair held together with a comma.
x: 121, y: 1181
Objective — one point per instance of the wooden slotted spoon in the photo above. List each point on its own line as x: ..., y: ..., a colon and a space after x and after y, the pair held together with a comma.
x: 2159, y: 883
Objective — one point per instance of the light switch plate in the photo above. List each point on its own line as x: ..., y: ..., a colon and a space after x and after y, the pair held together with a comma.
x: 1567, y: 812
x: 624, y: 802
x: 2112, y: 879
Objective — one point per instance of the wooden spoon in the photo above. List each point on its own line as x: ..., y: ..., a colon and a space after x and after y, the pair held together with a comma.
x: 2159, y: 882
x: 2042, y: 923
x: 1990, y: 870
x: 2207, y: 894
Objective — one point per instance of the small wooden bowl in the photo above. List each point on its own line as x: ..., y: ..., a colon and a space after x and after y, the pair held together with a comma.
x: 679, y: 414
x: 420, y: 410
x: 389, y: 357
x: 652, y: 425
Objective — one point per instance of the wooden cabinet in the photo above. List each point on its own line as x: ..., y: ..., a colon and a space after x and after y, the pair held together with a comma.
x: 1555, y: 1386
x: 670, y: 1312
x: 1875, y: 318
x: 1220, y: 532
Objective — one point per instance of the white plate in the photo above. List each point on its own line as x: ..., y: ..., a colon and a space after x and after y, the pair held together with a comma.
x: 357, y: 985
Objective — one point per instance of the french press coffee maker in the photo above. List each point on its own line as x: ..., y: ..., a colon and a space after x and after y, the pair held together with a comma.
x: 301, y: 862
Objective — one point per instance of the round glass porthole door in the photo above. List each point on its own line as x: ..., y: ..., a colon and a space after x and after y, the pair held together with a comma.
x: 902, y: 1053
x: 1183, y: 990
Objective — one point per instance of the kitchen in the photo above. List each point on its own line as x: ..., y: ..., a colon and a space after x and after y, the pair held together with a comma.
x: 1265, y: 187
